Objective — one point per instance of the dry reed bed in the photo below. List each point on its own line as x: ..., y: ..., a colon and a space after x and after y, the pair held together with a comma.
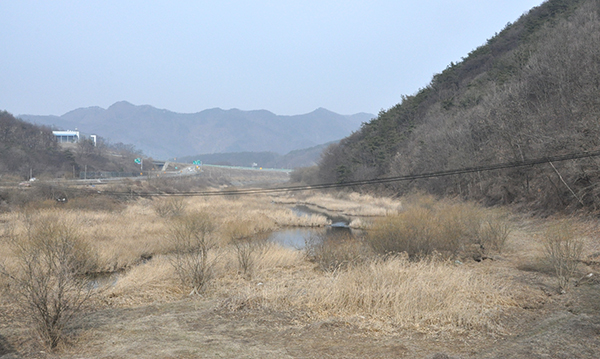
x: 156, y: 280
x: 256, y: 209
x: 122, y: 239
x: 350, y: 204
x: 430, y: 296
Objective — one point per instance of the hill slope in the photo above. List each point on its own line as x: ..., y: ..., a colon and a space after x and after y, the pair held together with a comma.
x: 31, y: 150
x: 164, y: 134
x: 531, y: 91
x: 28, y: 149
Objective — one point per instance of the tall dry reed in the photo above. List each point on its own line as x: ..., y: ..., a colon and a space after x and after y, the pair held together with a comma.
x: 429, y: 296
x: 428, y: 226
x: 563, y: 252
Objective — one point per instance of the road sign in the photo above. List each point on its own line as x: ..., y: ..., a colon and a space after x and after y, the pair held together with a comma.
x: 198, y: 162
x: 138, y: 160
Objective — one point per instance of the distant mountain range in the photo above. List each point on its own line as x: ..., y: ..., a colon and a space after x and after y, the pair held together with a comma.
x: 165, y: 134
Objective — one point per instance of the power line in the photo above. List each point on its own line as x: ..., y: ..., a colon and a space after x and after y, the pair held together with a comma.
x: 411, y: 177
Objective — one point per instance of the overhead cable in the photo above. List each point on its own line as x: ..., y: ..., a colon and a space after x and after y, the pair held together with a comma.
x: 411, y: 177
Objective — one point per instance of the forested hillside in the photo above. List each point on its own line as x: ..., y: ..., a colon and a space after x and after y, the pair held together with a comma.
x: 27, y: 149
x: 531, y: 91
x: 24, y: 146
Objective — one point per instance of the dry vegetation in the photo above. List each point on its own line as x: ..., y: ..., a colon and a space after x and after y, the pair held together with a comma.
x: 350, y: 204
x: 447, y: 227
x: 165, y: 249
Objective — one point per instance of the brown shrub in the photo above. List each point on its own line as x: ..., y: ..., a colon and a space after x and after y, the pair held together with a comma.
x: 192, y: 240
x: 170, y: 206
x: 333, y: 253
x: 431, y: 226
x: 563, y: 252
x: 47, y: 277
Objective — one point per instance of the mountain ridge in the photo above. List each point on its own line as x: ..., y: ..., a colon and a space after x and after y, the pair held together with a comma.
x: 164, y: 134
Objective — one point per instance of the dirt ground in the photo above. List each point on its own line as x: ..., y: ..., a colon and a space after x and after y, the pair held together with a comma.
x: 557, y: 326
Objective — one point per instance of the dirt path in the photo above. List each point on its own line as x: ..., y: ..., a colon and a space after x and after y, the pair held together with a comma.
x: 195, y: 329
x: 567, y: 326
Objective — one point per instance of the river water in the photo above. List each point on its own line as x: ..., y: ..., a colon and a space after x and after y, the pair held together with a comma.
x: 298, y: 237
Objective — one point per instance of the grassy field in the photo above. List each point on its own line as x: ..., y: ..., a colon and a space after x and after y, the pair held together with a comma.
x: 345, y: 298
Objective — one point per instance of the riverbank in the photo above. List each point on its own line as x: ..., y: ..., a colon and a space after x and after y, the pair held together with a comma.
x: 287, y: 305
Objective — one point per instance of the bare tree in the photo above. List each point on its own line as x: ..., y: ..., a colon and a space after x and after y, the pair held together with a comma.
x: 47, y: 278
x: 249, y: 245
x: 192, y: 239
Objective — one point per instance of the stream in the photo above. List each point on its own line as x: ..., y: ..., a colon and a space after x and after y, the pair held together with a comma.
x: 298, y: 236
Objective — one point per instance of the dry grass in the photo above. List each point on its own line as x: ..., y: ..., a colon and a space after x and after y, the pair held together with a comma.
x: 125, y: 238
x: 156, y: 279
x: 453, y: 228
x: 428, y: 296
x: 153, y: 281
x: 258, y: 210
x: 120, y: 239
x: 350, y: 204
x: 425, y: 296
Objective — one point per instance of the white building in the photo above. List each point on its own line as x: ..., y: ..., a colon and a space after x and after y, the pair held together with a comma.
x: 66, y: 136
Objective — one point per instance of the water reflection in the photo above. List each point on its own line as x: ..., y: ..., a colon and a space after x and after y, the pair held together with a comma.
x: 297, y: 237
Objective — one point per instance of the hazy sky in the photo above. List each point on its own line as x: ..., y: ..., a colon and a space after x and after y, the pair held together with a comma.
x: 289, y: 57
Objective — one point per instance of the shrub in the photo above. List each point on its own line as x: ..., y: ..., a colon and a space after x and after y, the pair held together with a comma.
x: 562, y: 251
x: 307, y: 175
x: 192, y: 240
x: 494, y: 233
x: 333, y: 253
x: 249, y: 243
x: 47, y: 278
x: 446, y: 228
x: 170, y: 206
